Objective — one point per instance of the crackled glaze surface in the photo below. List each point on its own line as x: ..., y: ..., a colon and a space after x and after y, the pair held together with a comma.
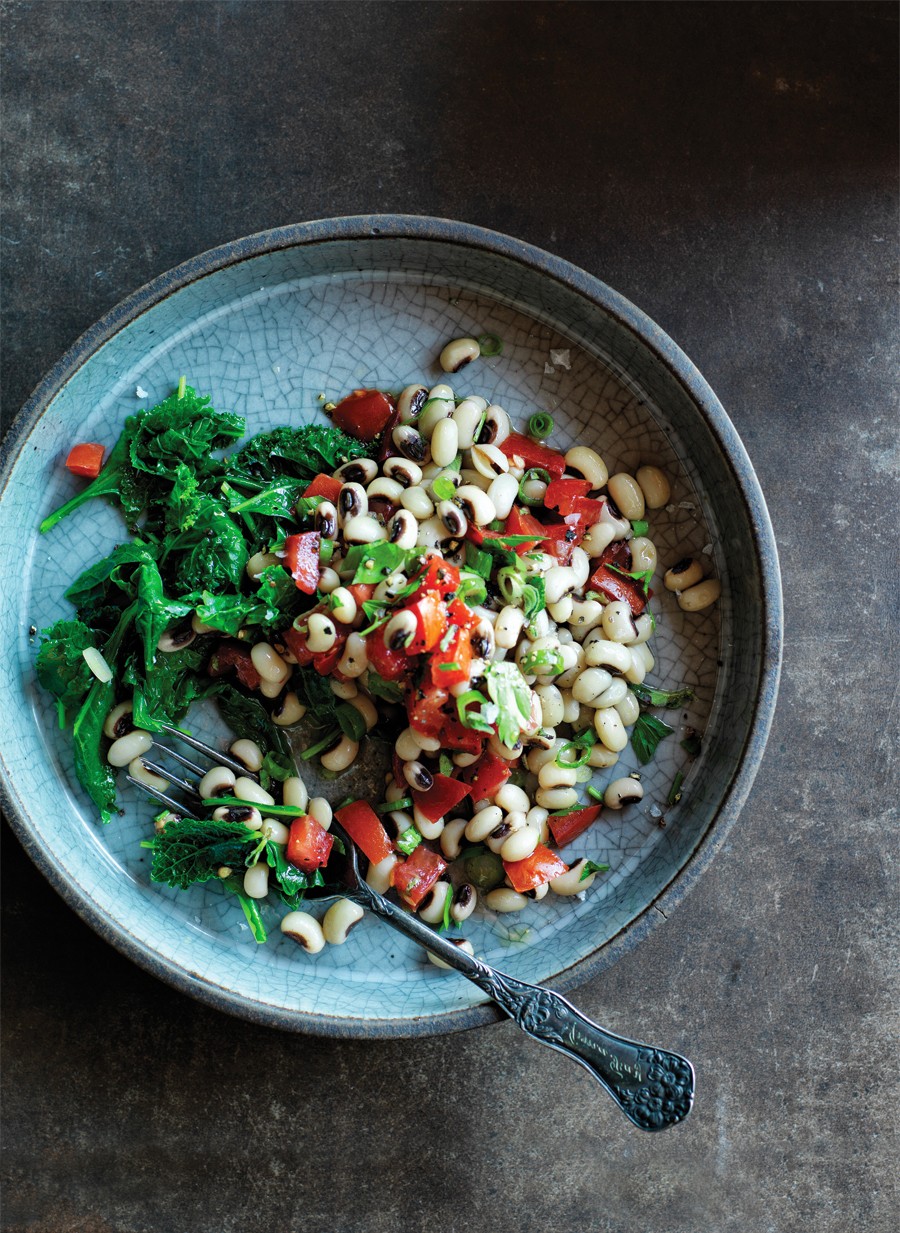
x: 266, y: 337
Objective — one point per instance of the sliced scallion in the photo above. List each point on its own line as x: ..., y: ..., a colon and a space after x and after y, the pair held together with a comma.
x: 540, y: 425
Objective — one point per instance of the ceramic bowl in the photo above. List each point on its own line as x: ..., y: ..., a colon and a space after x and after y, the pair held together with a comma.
x: 266, y: 325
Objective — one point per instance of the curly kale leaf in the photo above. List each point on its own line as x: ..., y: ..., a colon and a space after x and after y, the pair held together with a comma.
x: 299, y: 452
x: 60, y: 664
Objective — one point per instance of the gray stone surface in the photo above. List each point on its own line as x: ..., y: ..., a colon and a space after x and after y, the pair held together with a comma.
x: 733, y: 170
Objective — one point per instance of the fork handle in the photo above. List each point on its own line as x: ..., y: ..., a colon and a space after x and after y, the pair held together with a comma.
x: 653, y: 1087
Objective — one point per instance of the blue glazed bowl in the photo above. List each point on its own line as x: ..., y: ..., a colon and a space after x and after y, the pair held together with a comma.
x: 266, y: 325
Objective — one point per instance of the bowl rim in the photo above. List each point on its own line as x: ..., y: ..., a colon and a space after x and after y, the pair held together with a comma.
x: 680, y: 368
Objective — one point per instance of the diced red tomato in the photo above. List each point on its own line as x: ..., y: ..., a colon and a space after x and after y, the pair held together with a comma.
x: 309, y: 844
x: 459, y: 739
x: 301, y: 556
x: 388, y: 663
x: 295, y: 641
x: 616, y: 586
x: 443, y: 795
x: 562, y: 537
x: 388, y: 449
x: 561, y: 493
x: 415, y: 876
x: 425, y: 708
x: 439, y: 576
x: 325, y: 662
x: 534, y: 454
x: 363, y: 825
x: 520, y: 522
x: 364, y: 413
x: 588, y: 509
x: 85, y: 459
x: 534, y: 870
x: 569, y: 826
x: 362, y: 592
x: 461, y: 614
x: 229, y: 655
x: 451, y: 667
x: 486, y: 777
x: 324, y: 486
x: 431, y: 621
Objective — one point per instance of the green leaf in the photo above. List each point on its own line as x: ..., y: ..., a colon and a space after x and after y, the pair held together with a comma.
x: 592, y: 867
x: 372, y: 563
x: 246, y: 716
x: 509, y: 690
x: 675, y: 791
x: 250, y: 907
x: 646, y: 735
x: 533, y: 598
x: 192, y: 850
x: 301, y: 453
x: 670, y: 699
x: 351, y: 721
x: 479, y: 561
x: 444, y: 488
x: 60, y: 664
x: 378, y: 687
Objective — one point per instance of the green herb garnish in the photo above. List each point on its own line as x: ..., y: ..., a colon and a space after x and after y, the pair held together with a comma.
x: 646, y: 735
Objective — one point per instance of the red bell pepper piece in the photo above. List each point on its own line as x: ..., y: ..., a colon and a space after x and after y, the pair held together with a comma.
x: 454, y: 736
x: 325, y: 662
x: 415, y: 876
x: 309, y: 844
x: 363, y: 414
x: 568, y: 826
x: 85, y: 459
x: 562, y: 537
x: 617, y: 553
x: 387, y: 448
x: 438, y: 575
x: 534, y: 870
x: 561, y: 493
x: 232, y: 655
x: 588, y: 509
x: 617, y: 586
x: 324, y: 486
x: 443, y: 795
x: 301, y: 556
x: 388, y: 663
x: 461, y: 614
x: 362, y: 824
x: 533, y: 454
x: 362, y: 592
x: 486, y: 777
x: 431, y: 621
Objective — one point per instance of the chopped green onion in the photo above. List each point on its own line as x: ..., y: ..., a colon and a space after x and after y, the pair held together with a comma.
x: 473, y: 719
x: 537, y: 474
x: 471, y: 589
x: 405, y: 802
x: 408, y: 841
x: 326, y: 549
x: 511, y: 584
x: 321, y: 746
x: 182, y: 386
x: 580, y: 760
x: 595, y: 794
x: 540, y: 426
x: 675, y: 791
x: 543, y: 663
x: 640, y: 527
x: 454, y: 667
x: 445, y: 763
x: 490, y: 345
x: 592, y: 867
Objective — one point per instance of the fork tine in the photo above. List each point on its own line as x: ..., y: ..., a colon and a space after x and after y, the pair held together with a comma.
x: 177, y: 757
x: 168, y: 801
x: 165, y: 773
x: 222, y: 759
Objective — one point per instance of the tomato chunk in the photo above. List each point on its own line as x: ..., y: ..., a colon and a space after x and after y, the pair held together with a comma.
x: 568, y: 826
x: 309, y: 844
x: 561, y: 493
x: 456, y: 737
x: 534, y: 870
x: 439, y: 576
x: 85, y: 459
x: 431, y: 621
x: 301, y: 555
x: 295, y: 640
x: 534, y: 454
x: 414, y: 877
x: 617, y: 586
x: 617, y: 553
x: 388, y: 663
x: 425, y: 707
x: 363, y: 414
x: 486, y: 777
x: 229, y: 655
x: 324, y: 486
x: 451, y: 667
x: 443, y: 795
x: 363, y: 825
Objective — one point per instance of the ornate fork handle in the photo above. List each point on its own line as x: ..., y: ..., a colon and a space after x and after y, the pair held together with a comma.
x: 653, y: 1087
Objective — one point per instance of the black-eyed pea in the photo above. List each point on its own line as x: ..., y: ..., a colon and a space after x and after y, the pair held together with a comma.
x: 276, y: 831
x: 434, y: 904
x: 444, y: 442
x: 476, y: 504
x: 505, y: 899
x: 614, y: 694
x: 551, y: 775
x: 626, y: 492
x: 452, y: 837
x: 556, y: 798
x: 200, y: 627
x: 537, y: 893
x: 247, y: 752
x: 489, y: 461
x: 571, y: 706
x: 144, y: 773
x: 503, y: 493
x: 654, y: 485
x: 378, y: 875
x: 602, y: 757
x: 580, y: 564
x: 329, y: 580
x: 403, y: 530
x: 411, y: 444
x: 428, y: 828
x: 618, y: 622
x: 701, y: 596
x: 246, y: 789
x: 342, y: 606
x: 683, y: 574
x: 520, y: 844
x: 325, y: 519
x: 409, y: 406
x: 590, y: 685
x: 418, y: 775
x: 613, y: 656
x: 118, y: 722
x: 294, y: 793
x: 463, y: 759
x: 610, y: 729
x: 133, y: 744
x: 458, y: 353
x: 559, y: 580
x: 629, y: 709
x: 643, y: 554
x: 406, y: 746
x: 622, y: 792
x: 367, y: 709
x: 289, y: 710
x: 219, y: 781
x: 363, y: 529
x: 462, y: 944
x: 467, y: 417
x: 551, y: 705
x: 509, y: 753
x: 464, y: 901
x: 598, y: 538
x: 587, y: 462
x: 321, y: 633
x: 357, y: 471
x: 305, y: 930
x: 573, y: 882
x: 354, y: 661
x: 508, y: 627
x: 340, y: 918
x: 561, y: 611
x: 352, y: 502
x: 258, y: 562
x: 342, y: 755
x: 644, y: 627
x: 431, y: 533
x: 256, y: 880
x: 482, y: 823
x: 512, y: 799
x: 453, y: 518
x: 174, y: 639
x: 496, y: 426
x: 320, y: 809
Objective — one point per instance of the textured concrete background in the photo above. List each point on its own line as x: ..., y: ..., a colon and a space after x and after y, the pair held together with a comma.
x: 733, y: 170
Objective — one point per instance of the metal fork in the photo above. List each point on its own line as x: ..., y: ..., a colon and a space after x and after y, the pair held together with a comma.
x: 653, y: 1087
